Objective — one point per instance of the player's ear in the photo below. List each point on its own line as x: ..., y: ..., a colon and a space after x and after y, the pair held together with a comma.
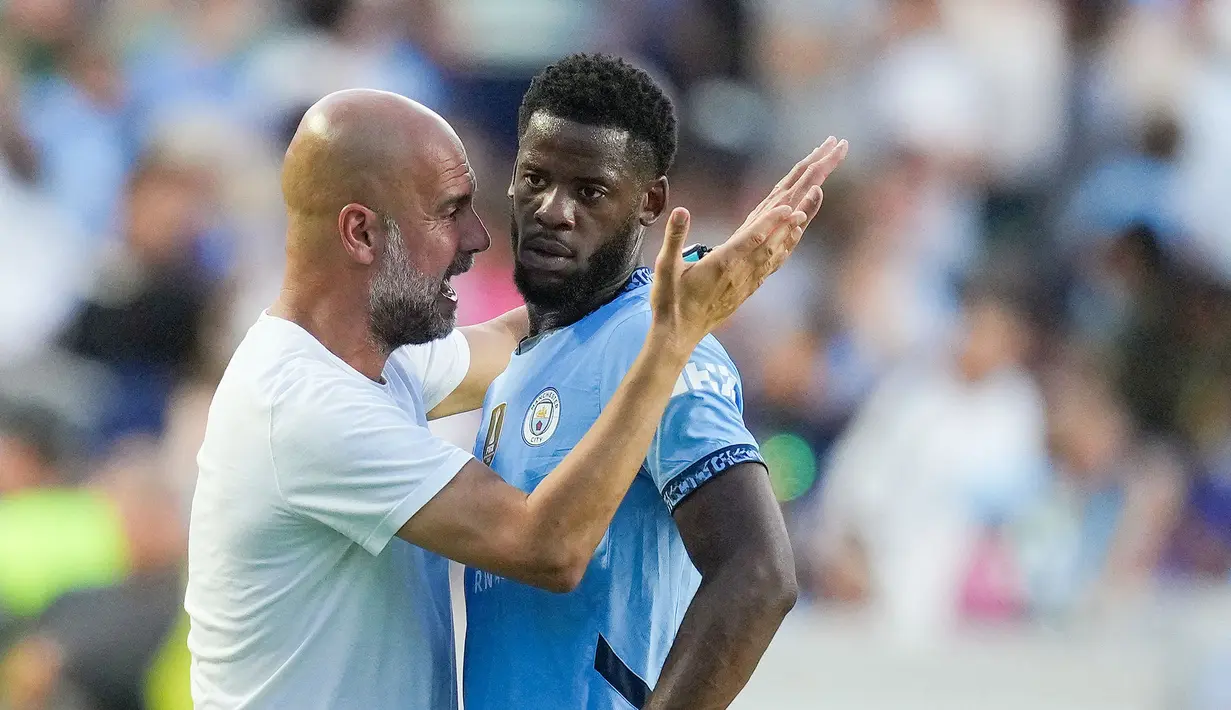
x: 654, y: 202
x: 357, y: 227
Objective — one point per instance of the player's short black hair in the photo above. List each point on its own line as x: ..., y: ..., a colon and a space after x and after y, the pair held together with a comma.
x: 604, y: 90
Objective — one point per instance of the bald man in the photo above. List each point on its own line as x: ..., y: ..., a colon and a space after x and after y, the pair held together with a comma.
x: 325, y: 509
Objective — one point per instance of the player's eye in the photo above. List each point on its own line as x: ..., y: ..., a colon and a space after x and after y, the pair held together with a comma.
x: 535, y: 181
x: 589, y: 192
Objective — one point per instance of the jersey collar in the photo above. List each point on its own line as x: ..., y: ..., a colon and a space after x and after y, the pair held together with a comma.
x: 641, y: 276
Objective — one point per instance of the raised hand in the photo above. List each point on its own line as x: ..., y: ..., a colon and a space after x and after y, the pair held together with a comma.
x: 807, y: 173
x: 690, y: 300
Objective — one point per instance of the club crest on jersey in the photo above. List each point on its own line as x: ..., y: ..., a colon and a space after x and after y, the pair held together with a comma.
x: 542, y: 417
x: 493, y: 433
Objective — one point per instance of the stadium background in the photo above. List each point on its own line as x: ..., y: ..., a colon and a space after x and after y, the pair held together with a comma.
x: 995, y: 381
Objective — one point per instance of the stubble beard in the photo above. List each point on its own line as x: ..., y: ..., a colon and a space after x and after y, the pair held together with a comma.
x: 606, y: 264
x: 405, y: 305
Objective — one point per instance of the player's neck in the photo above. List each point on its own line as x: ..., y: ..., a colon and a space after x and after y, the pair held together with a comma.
x: 545, y: 318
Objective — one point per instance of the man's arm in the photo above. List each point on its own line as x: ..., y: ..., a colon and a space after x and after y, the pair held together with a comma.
x: 491, y: 345
x: 735, y: 535
x: 547, y: 538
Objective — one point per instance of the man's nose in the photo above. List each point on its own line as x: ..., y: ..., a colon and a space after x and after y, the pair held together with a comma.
x: 557, y: 210
x: 477, y: 238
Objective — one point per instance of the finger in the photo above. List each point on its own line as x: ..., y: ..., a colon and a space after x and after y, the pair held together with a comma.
x: 817, y: 153
x: 835, y: 158
x: 779, y: 237
x: 670, y: 256
x: 750, y: 237
x: 817, y: 173
x: 811, y: 204
x: 792, y: 178
x: 778, y: 254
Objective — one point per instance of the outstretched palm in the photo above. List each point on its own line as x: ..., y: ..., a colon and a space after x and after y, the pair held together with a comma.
x: 690, y: 300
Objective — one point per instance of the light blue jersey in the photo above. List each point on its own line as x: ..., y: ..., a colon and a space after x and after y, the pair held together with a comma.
x: 602, y: 645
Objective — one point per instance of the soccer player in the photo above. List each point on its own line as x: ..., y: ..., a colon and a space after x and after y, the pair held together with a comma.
x: 644, y: 628
x: 324, y: 507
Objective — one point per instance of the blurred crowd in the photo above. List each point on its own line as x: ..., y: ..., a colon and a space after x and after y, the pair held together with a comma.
x: 994, y: 384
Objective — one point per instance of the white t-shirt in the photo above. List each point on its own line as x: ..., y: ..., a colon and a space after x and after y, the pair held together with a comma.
x: 299, y: 592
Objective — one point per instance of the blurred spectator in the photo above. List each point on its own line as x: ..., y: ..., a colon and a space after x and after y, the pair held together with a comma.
x: 145, y: 311
x: 98, y: 649
x: 1131, y: 187
x: 338, y: 44
x: 943, y: 451
x: 40, y: 279
x: 894, y: 290
x: 74, y: 109
x: 185, y: 63
x: 55, y: 536
x: 1103, y: 523
x: 61, y: 545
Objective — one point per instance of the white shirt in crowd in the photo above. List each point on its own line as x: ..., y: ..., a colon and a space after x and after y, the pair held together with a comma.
x: 299, y: 592
x: 926, y: 462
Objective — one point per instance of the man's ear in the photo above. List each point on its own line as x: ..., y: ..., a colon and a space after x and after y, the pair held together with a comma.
x: 357, y: 227
x: 654, y: 202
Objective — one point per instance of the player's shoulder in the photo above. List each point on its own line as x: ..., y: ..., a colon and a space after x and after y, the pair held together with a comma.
x: 628, y: 325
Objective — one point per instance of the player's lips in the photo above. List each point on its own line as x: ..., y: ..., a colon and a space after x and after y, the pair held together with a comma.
x: 545, y: 253
x: 547, y: 246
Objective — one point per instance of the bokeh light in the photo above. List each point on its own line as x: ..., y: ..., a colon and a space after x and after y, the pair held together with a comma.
x: 792, y: 465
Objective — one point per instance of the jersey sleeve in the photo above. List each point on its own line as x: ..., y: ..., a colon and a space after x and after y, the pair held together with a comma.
x: 702, y: 433
x: 440, y: 365
x: 346, y: 455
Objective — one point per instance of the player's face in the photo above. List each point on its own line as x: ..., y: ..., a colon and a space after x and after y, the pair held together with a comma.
x: 411, y: 300
x: 579, y: 209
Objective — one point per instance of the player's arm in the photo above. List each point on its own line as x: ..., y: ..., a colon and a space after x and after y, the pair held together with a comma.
x: 546, y: 538
x: 735, y: 535
x: 491, y: 344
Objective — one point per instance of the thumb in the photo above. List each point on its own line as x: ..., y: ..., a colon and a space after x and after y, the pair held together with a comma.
x: 670, y: 257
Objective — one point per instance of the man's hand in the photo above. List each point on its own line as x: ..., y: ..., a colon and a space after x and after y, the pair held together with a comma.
x: 690, y: 300
x: 807, y: 173
x: 548, y: 537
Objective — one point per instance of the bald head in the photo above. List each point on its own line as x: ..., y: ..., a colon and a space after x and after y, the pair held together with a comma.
x: 379, y: 203
x: 368, y: 147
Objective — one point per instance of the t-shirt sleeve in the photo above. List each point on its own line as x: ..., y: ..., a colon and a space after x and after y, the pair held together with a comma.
x: 702, y: 433
x: 345, y: 455
x: 440, y: 365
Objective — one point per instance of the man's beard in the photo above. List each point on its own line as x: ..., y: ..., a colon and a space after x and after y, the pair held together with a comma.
x: 614, y: 259
x: 404, y: 305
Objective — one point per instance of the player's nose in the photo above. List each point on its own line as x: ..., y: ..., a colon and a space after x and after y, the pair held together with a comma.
x: 556, y: 209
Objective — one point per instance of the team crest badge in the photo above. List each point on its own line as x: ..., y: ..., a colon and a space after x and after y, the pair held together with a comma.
x: 542, y: 417
x: 493, y: 433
